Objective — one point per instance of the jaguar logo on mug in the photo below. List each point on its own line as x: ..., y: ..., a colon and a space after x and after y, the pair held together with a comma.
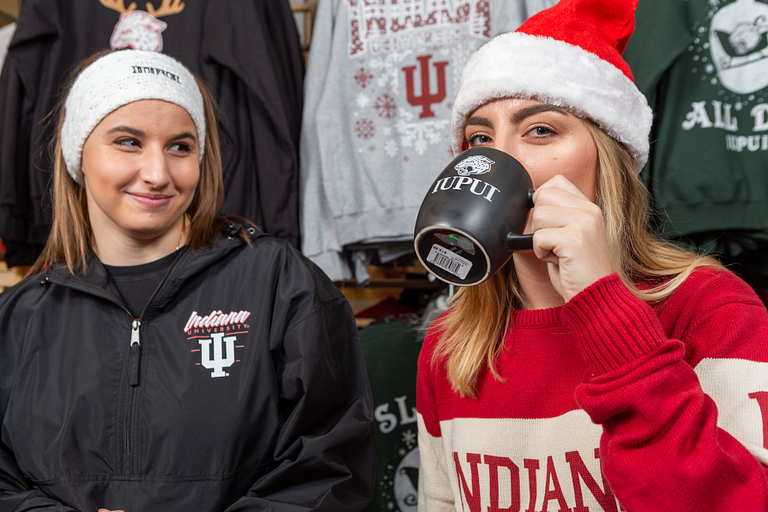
x: 473, y: 216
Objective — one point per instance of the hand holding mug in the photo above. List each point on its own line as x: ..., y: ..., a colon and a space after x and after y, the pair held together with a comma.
x: 569, y: 234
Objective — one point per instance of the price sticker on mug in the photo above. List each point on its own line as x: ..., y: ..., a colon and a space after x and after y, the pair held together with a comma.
x: 449, y: 261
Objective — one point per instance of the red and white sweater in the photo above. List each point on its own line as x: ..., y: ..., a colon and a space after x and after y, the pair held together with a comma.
x: 608, y: 400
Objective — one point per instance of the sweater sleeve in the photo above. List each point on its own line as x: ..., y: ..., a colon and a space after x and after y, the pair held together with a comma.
x: 320, y: 240
x: 663, y: 445
x: 435, y: 492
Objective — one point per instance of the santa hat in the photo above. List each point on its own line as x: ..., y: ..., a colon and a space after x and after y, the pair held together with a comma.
x: 569, y: 56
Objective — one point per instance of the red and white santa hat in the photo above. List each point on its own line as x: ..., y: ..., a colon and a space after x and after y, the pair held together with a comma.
x: 569, y: 56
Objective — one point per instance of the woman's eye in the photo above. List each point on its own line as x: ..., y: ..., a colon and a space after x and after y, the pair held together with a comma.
x: 541, y: 131
x: 128, y: 142
x: 182, y: 147
x: 478, y: 140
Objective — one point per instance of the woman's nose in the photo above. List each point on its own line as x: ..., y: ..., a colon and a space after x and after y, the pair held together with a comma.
x: 155, y: 168
x: 505, y: 144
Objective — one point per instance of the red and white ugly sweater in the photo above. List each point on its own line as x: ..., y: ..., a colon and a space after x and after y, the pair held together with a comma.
x: 608, y: 400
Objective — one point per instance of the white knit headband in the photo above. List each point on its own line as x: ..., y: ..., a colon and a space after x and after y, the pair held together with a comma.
x: 117, y: 79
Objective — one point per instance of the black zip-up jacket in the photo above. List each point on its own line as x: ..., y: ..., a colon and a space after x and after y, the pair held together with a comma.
x: 241, y: 387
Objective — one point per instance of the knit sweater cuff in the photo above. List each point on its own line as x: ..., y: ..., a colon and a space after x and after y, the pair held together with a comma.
x: 611, y: 326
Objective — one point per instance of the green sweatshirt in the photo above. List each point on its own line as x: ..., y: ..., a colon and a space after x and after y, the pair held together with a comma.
x: 703, y: 64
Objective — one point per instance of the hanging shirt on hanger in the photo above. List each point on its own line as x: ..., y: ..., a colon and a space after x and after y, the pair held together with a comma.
x: 376, y: 126
x: 703, y: 64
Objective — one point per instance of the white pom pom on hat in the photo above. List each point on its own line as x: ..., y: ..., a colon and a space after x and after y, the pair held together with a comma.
x: 569, y: 56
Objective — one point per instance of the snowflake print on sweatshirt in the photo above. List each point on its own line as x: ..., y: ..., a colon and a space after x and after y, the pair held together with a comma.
x: 380, y: 87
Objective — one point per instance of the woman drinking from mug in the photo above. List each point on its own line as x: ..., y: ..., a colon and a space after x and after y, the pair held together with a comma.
x: 605, y: 369
x: 164, y: 357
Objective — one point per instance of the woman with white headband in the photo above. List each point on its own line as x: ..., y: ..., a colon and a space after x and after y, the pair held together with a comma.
x: 162, y: 356
x: 604, y: 370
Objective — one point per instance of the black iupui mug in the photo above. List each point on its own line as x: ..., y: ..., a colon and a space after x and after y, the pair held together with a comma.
x: 473, y: 216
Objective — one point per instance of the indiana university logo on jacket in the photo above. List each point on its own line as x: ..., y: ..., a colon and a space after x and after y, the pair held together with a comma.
x: 216, y: 337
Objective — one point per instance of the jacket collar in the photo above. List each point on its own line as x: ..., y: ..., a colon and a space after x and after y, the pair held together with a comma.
x: 188, y: 263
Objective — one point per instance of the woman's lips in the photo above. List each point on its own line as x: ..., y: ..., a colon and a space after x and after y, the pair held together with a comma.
x: 151, y: 200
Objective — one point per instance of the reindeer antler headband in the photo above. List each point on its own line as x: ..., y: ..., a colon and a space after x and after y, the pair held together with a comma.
x: 117, y: 79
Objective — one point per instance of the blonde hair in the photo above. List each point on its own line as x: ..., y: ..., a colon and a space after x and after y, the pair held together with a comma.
x: 474, y: 328
x: 71, y: 237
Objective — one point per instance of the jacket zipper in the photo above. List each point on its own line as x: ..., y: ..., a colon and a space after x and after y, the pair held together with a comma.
x: 129, y: 462
x: 135, y: 352
x: 133, y: 377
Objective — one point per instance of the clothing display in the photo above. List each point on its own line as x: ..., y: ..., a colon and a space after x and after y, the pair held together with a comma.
x: 241, y: 386
x: 247, y: 51
x: 379, y: 88
x: 666, y: 401
x: 391, y: 350
x: 703, y: 65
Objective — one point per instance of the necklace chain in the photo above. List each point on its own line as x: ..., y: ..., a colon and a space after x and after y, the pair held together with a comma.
x: 181, y: 235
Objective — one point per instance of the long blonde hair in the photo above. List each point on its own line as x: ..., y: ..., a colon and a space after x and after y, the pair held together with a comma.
x: 474, y: 328
x: 71, y: 237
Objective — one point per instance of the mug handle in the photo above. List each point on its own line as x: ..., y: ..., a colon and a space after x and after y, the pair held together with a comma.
x: 521, y: 242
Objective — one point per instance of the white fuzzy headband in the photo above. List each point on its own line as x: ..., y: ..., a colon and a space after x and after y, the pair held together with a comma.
x: 520, y: 65
x: 117, y: 79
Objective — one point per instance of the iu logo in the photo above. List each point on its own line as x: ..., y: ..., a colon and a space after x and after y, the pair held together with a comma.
x: 427, y: 97
x: 138, y: 29
x: 223, y: 353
